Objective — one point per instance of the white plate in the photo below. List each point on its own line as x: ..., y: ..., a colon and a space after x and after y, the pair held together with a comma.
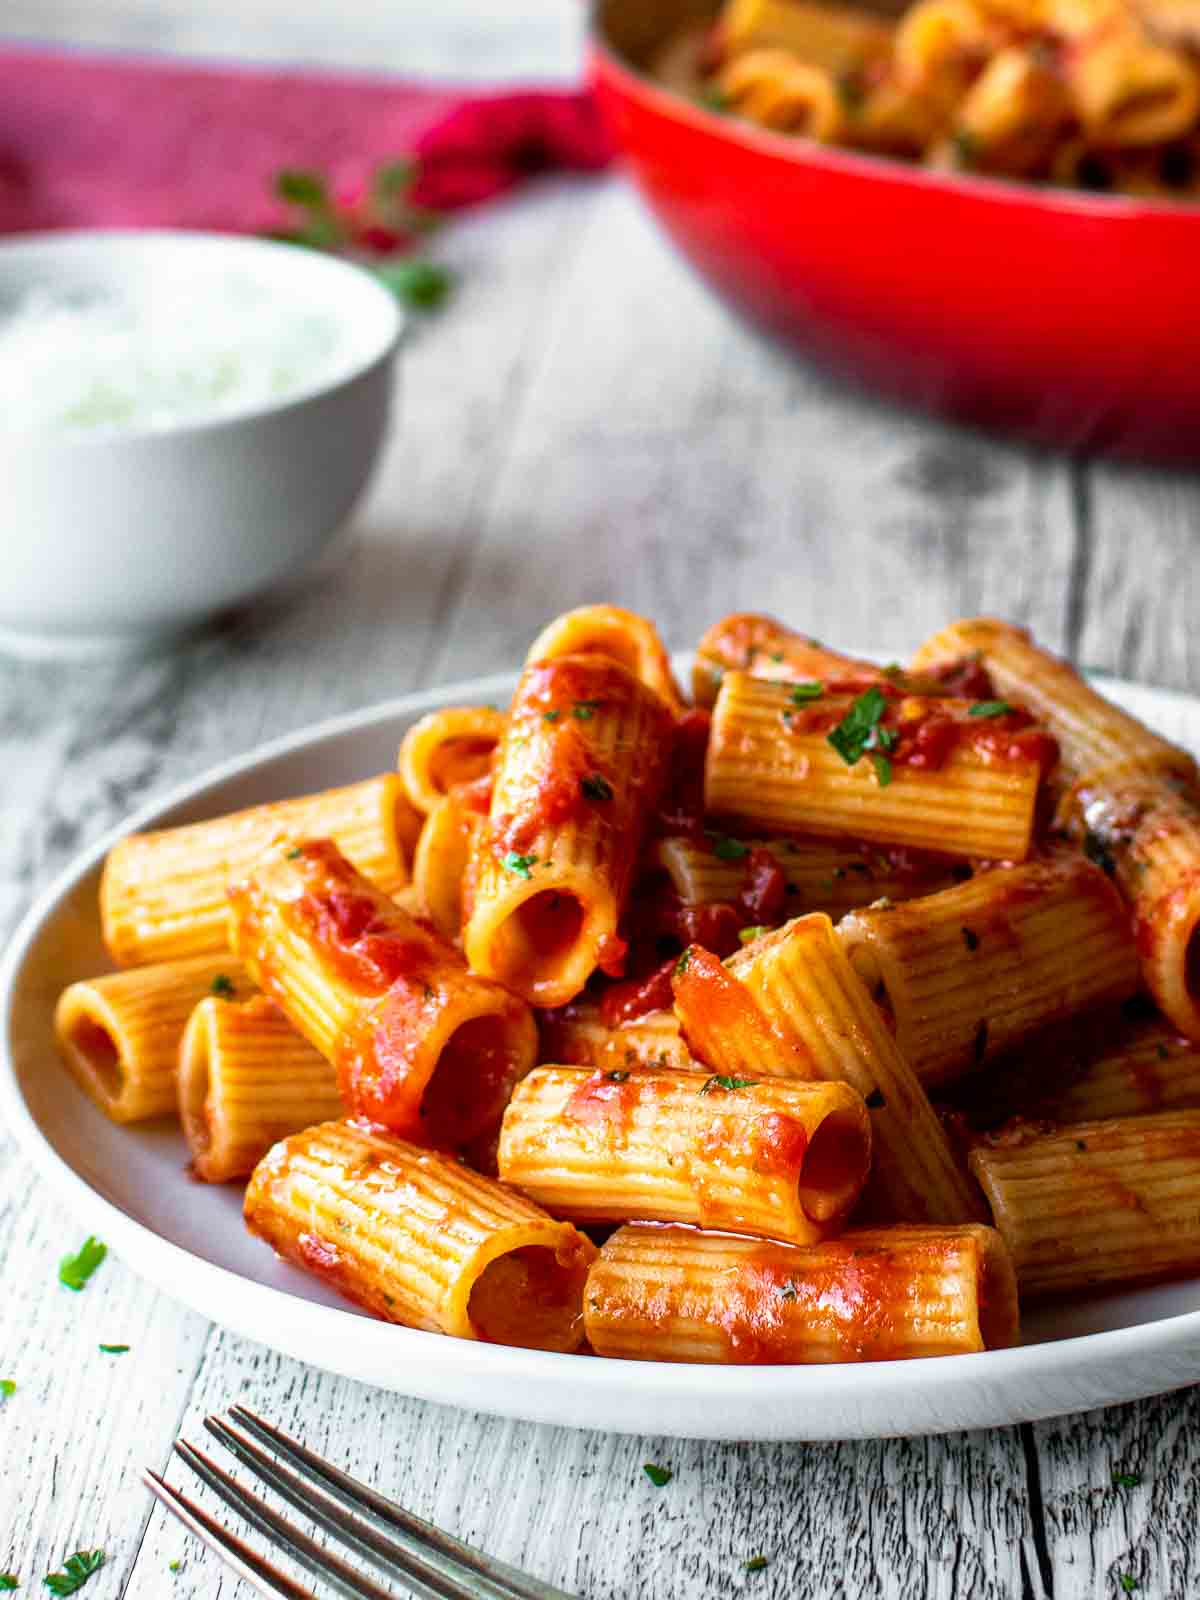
x: 129, y: 1187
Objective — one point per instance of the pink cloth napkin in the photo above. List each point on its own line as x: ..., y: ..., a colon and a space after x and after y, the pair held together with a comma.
x: 91, y: 141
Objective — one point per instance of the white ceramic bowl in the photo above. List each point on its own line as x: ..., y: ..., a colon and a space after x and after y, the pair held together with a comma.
x: 116, y: 538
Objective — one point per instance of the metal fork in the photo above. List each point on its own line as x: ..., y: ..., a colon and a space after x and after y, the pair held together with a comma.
x: 429, y: 1563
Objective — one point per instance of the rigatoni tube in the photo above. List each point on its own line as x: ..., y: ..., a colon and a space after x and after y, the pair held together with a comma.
x: 581, y: 765
x: 578, y: 1036
x: 924, y: 772
x: 880, y: 1294
x: 620, y: 635
x: 120, y: 1034
x: 162, y: 894
x: 974, y: 970
x: 247, y: 1079
x: 791, y: 1005
x: 446, y: 749
x: 420, y: 1239
x: 786, y: 1160
x: 748, y: 642
x: 440, y: 862
x: 1094, y: 1204
x: 421, y: 1045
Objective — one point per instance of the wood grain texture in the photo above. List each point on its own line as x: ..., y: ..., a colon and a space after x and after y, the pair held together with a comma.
x: 583, y: 422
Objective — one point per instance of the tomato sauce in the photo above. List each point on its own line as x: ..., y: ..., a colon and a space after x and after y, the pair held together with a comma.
x: 633, y: 998
x: 771, y: 1143
x: 715, y: 1006
x: 681, y: 810
x: 606, y: 1103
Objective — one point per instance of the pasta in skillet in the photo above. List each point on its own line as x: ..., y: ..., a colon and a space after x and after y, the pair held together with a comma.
x: 823, y: 1019
x: 1096, y: 94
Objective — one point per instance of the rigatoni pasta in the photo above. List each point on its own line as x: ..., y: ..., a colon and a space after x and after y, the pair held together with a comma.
x: 885, y: 1294
x: 421, y: 1045
x: 119, y: 1034
x: 419, y: 1239
x: 162, y: 894
x: 247, y: 1079
x: 621, y: 636
x: 783, y: 1159
x: 447, y: 749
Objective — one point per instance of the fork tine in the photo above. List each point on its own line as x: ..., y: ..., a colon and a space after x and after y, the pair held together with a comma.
x: 412, y: 1531
x: 247, y: 1563
x: 321, y: 1563
x: 443, y: 1578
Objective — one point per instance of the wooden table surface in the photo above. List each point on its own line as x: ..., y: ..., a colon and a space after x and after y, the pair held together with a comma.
x: 583, y: 422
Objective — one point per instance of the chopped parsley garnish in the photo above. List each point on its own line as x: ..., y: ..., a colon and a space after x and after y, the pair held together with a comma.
x: 1126, y: 1480
x: 616, y: 1077
x: 584, y: 710
x: 883, y: 769
x: 981, y: 1041
x: 416, y: 282
x: 292, y: 854
x: 657, y: 1475
x: 173, y: 1566
x: 719, y: 1081
x: 8, y: 1388
x: 113, y: 1349
x: 727, y: 849
x: 223, y: 986
x: 852, y: 736
x: 804, y: 692
x: 9, y: 1580
x: 970, y: 938
x: 519, y: 864
x: 595, y: 787
x: 1095, y: 849
x: 748, y: 935
x: 77, y: 1570
x: 990, y: 708
x: 74, y: 1271
x: 551, y: 716
x: 682, y: 964
x: 755, y: 1564
x: 786, y: 1291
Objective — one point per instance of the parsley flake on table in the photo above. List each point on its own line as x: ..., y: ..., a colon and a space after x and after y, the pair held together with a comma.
x: 755, y: 1564
x: 594, y: 787
x: 719, y: 1081
x: 1128, y: 1582
x: 1126, y: 1480
x: 174, y: 1566
x: 519, y: 864
x: 113, y: 1349
x: 727, y: 849
x: 74, y: 1271
x: 802, y: 693
x: 584, y: 710
x: 77, y: 1570
x: 657, y: 1475
x: 223, y: 985
x: 853, y: 735
x: 990, y: 708
x: 8, y: 1388
x: 9, y: 1580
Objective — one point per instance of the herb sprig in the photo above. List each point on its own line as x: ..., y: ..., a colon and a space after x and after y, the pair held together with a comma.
x: 74, y: 1271
x: 77, y: 1569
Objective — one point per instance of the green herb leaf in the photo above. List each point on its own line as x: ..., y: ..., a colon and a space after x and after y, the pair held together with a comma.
x: 519, y: 864
x: 657, y: 1475
x: 551, y: 716
x: 682, y: 964
x: 1095, y: 849
x: 78, y: 1569
x: 850, y: 737
x: 8, y: 1388
x: 74, y: 1271
x: 727, y: 849
x: 595, y: 787
x: 113, y: 1349
x: 9, y: 1580
x: 748, y: 935
x: 223, y: 986
x: 292, y: 855
x: 883, y: 769
x: 584, y: 710
x: 302, y: 188
x: 392, y: 179
x: 990, y: 708
x: 1126, y: 1480
x: 802, y: 693
x: 755, y: 1564
x: 719, y: 1081
x: 416, y: 282
x: 1128, y: 1582
x: 173, y: 1566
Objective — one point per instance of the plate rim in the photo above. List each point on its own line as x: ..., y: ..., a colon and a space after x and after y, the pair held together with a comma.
x: 434, y: 1367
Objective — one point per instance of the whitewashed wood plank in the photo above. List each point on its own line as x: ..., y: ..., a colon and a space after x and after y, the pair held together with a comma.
x: 1140, y: 575
x: 930, y: 1520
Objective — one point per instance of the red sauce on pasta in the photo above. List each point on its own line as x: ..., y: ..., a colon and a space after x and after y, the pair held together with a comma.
x: 681, y: 810
x: 623, y: 1002
x: 714, y: 1004
x: 771, y: 1143
x: 764, y: 890
x: 606, y: 1102
x: 841, y: 1293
